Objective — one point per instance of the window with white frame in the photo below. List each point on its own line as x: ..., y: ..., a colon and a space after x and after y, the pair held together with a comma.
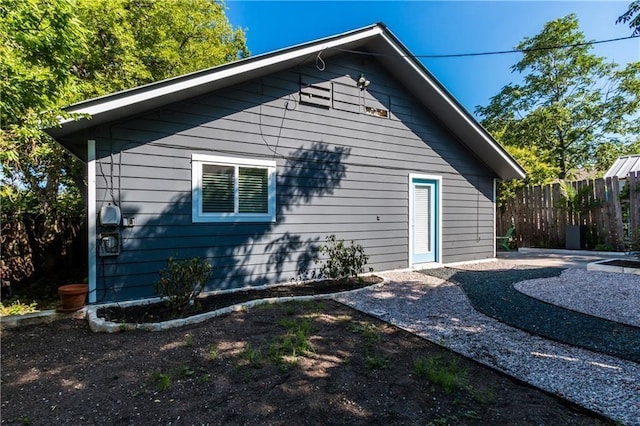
x: 226, y: 189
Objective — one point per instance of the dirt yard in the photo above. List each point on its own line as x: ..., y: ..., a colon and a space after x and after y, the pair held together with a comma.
x: 294, y: 363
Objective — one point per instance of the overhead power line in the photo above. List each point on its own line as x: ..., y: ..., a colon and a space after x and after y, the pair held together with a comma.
x: 499, y: 52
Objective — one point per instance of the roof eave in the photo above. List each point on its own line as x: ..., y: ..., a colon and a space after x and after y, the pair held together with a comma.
x: 452, y: 114
x: 148, y: 97
x: 376, y: 38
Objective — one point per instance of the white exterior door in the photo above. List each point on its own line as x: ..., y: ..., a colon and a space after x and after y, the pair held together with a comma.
x: 424, y: 220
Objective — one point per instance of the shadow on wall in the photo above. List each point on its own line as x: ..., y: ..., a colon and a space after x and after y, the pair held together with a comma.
x: 242, y: 254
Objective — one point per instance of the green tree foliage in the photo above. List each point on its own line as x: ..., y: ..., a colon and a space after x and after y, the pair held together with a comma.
x: 632, y: 16
x: 608, y: 152
x: 538, y: 172
x: 569, y: 102
x: 57, y: 52
x: 134, y: 42
x: 38, y: 41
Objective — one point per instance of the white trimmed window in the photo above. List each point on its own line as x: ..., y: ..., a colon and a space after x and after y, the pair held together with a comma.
x: 226, y: 189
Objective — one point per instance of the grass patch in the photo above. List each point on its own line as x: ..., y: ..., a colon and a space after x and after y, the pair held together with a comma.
x: 376, y: 361
x: 369, y: 332
x: 486, y: 397
x: 449, y: 375
x: 309, y: 306
x: 295, y: 342
x: 253, y: 356
x: 372, y: 336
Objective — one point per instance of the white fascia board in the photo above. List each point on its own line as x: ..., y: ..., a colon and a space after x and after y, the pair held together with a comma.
x: 455, y: 107
x: 124, y: 101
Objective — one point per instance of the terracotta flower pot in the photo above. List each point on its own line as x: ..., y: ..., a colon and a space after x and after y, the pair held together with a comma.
x: 72, y: 296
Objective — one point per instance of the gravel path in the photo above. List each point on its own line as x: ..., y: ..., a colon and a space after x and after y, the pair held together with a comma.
x: 440, y: 312
x: 603, y: 294
x: 493, y: 294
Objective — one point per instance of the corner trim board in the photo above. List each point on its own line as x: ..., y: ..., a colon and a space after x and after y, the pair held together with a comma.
x: 91, y: 218
x: 495, y: 215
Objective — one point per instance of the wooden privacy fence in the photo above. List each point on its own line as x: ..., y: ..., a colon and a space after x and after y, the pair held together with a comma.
x: 608, y: 211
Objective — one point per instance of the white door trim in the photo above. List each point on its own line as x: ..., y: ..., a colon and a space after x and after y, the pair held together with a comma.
x: 495, y: 214
x: 438, y: 246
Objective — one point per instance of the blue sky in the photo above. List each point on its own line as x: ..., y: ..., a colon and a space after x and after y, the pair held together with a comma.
x: 444, y: 27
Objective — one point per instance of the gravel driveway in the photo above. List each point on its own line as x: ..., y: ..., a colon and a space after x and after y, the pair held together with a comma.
x: 440, y: 311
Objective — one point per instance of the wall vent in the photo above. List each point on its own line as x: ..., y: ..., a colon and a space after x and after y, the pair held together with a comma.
x: 376, y: 103
x: 315, y: 93
x: 378, y: 112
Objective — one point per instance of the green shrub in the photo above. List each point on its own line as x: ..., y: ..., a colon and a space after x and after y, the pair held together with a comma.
x: 182, y: 281
x: 16, y: 307
x: 342, y: 261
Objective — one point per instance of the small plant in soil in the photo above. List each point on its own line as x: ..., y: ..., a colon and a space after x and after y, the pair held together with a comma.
x: 181, y: 282
x: 213, y: 352
x: 161, y: 381
x: 204, y: 377
x: 186, y: 371
x: 376, y: 361
x: 188, y: 340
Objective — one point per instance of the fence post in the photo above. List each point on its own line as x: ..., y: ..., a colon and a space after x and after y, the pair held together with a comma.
x: 634, y: 208
x: 600, y: 197
x: 615, y: 213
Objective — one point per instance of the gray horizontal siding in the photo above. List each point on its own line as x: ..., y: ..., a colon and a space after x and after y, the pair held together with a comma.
x: 338, y: 172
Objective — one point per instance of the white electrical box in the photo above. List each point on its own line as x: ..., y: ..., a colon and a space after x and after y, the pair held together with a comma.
x: 110, y: 215
x: 129, y: 221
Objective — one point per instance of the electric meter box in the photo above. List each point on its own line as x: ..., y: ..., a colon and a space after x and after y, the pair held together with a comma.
x: 110, y: 215
x: 109, y: 244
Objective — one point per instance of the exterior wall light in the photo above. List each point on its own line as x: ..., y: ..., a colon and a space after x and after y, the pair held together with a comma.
x: 363, y: 82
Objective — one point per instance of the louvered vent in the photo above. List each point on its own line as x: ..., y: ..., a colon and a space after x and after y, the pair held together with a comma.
x: 315, y: 93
